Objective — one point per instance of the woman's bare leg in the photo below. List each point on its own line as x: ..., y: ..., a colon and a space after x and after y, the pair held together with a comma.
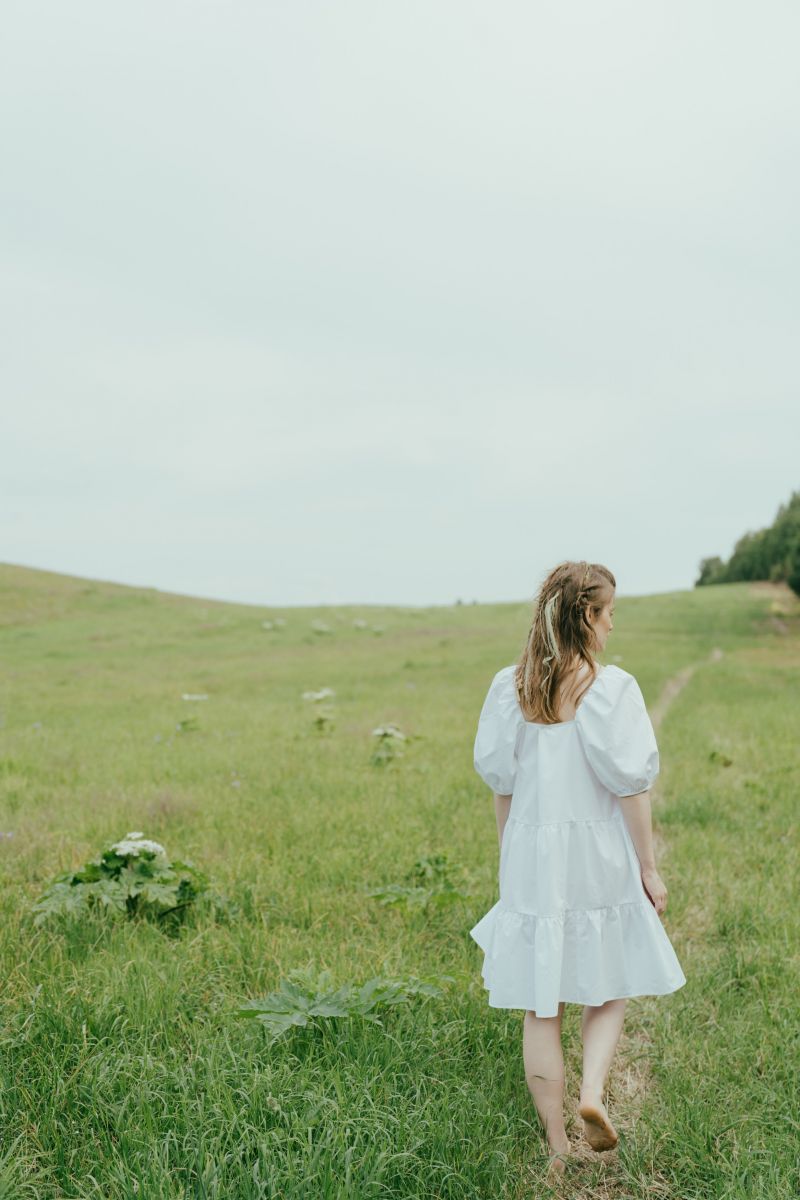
x: 544, y: 1074
x: 601, y: 1026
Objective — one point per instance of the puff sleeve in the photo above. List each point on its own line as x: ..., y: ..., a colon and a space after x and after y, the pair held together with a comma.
x: 616, y: 733
x: 499, y: 725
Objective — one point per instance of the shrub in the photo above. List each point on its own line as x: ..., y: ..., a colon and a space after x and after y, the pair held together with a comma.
x: 133, y: 876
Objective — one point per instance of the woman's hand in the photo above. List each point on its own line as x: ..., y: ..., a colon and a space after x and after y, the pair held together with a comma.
x: 654, y: 886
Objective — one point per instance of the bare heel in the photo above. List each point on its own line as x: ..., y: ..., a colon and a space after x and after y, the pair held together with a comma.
x: 597, y: 1128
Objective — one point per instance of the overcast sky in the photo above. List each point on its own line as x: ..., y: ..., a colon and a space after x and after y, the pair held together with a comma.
x: 396, y: 302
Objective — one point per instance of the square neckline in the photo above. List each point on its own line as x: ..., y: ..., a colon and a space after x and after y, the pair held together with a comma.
x: 572, y: 720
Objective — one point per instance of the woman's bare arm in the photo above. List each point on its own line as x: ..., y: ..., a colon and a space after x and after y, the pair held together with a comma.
x: 638, y: 817
x: 501, y: 806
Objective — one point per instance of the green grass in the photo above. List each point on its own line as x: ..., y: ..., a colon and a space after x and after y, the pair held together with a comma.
x: 124, y: 1073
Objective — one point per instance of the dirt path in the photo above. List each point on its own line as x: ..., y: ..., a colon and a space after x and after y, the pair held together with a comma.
x: 674, y: 686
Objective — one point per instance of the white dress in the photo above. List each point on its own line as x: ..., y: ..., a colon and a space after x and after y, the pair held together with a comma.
x: 573, y: 921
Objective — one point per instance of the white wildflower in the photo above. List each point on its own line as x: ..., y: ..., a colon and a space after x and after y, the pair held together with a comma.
x: 132, y: 845
x: 389, y: 731
x: 320, y: 695
x: 195, y: 696
x: 321, y: 627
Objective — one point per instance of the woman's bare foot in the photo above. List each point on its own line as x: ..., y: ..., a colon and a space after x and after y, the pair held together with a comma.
x: 558, y: 1151
x: 556, y: 1164
x: 597, y: 1128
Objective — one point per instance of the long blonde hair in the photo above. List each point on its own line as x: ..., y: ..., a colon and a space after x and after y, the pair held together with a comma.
x: 561, y: 633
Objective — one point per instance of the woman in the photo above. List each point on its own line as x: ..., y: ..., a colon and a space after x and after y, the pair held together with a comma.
x: 568, y: 749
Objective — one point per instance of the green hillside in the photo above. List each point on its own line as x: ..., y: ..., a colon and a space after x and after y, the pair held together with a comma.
x: 125, y: 1072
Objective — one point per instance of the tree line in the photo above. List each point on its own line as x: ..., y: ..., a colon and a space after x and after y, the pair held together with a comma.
x: 772, y: 553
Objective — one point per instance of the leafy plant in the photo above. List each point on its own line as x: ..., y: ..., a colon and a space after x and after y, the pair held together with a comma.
x: 389, y: 738
x: 323, y: 721
x: 324, y: 714
x: 132, y: 876
x: 304, y: 996
x: 427, y: 882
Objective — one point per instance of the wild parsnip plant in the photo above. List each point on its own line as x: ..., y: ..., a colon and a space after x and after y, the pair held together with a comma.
x: 390, y: 739
x: 277, y: 623
x: 305, y: 997
x: 428, y: 883
x: 133, y: 876
x: 122, y: 1072
x: 324, y: 713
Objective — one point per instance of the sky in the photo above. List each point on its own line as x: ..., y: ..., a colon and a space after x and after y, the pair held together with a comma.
x: 379, y: 303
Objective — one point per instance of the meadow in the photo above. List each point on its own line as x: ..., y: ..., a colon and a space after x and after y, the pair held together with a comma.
x: 125, y: 1070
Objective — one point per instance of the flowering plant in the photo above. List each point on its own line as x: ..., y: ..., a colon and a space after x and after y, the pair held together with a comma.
x: 133, y: 875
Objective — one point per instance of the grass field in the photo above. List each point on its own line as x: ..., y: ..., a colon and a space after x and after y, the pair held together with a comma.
x: 125, y: 1072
